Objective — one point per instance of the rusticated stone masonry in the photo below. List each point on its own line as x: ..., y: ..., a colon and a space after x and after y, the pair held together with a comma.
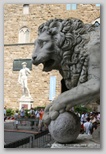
x: 14, y: 20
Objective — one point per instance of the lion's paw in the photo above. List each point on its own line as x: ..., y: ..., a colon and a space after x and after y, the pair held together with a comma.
x: 46, y: 118
x: 57, y: 106
x: 54, y: 115
x: 53, y: 110
x: 68, y: 107
x: 62, y: 111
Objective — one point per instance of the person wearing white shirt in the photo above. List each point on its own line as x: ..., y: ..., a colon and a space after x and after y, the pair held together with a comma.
x: 87, y: 126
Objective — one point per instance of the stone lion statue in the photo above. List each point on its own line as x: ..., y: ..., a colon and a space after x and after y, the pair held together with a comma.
x: 72, y: 48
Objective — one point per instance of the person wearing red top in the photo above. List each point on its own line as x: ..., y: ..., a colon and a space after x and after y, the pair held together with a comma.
x: 41, y: 113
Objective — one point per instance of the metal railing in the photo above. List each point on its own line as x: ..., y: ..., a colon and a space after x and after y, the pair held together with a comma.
x: 43, y: 140
x: 26, y: 142
x: 40, y: 140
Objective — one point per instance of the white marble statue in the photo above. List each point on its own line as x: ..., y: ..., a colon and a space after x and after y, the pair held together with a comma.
x: 22, y: 79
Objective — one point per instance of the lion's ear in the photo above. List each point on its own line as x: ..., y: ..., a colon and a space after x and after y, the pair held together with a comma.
x: 56, y: 24
x: 53, y: 31
x: 59, y: 38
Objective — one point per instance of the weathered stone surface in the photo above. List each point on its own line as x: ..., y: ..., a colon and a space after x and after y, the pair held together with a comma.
x: 83, y: 141
x: 72, y: 48
x: 26, y: 99
x: 13, y: 14
x: 96, y: 134
x: 65, y: 128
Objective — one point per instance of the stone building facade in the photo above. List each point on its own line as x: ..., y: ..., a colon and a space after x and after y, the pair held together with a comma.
x: 18, y: 16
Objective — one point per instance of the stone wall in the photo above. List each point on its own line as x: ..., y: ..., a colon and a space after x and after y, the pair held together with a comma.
x: 38, y: 81
x: 14, y: 19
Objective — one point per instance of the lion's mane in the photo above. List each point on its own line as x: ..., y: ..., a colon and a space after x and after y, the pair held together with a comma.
x: 70, y: 36
x: 72, y: 30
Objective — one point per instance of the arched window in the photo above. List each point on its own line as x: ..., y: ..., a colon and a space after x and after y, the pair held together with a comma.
x: 24, y: 35
x: 26, y: 9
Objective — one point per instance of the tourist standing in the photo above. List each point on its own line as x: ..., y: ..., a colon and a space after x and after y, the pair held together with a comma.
x: 37, y: 117
x: 94, y: 122
x: 16, y: 116
x: 41, y: 113
x: 32, y: 116
x: 22, y: 112
x: 22, y: 115
x: 83, y: 118
x: 88, y: 126
x: 4, y: 113
x: 98, y: 116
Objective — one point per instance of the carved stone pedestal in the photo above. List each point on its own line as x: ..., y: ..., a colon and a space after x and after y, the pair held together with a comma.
x: 26, y: 102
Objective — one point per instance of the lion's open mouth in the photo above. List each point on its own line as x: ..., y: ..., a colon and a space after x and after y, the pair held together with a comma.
x: 48, y: 65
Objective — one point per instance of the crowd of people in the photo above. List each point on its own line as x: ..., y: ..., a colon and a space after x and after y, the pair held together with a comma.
x: 89, y: 122
x: 35, y: 116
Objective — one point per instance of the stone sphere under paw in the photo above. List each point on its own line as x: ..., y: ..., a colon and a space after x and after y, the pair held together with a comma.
x: 65, y: 128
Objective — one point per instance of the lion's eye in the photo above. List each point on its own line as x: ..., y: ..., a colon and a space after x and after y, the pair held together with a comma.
x: 42, y: 43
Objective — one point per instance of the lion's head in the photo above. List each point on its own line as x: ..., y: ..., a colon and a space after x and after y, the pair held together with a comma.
x: 57, y: 40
